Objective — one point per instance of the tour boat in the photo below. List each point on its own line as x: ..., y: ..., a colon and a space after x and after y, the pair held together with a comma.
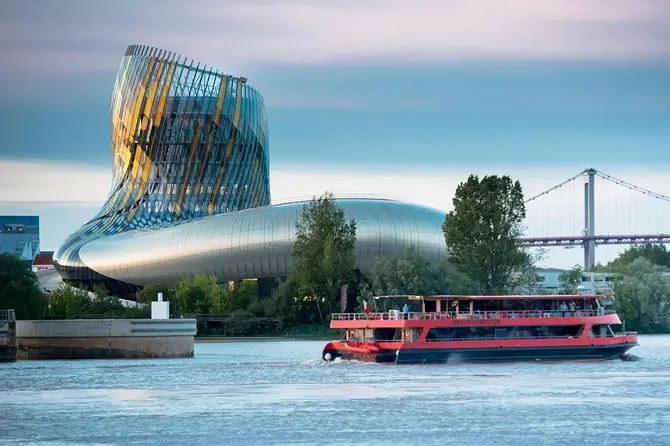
x: 449, y: 329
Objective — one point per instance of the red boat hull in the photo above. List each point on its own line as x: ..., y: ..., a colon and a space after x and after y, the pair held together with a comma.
x: 439, y: 353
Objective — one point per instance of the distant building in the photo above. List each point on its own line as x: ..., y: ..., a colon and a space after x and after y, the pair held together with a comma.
x: 595, y: 283
x: 549, y: 280
x: 43, y: 260
x: 20, y: 235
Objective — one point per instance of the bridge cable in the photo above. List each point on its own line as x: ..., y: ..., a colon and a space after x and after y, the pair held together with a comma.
x: 556, y: 186
x: 629, y: 186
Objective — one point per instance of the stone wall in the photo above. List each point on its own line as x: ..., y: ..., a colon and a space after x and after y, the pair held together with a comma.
x: 105, y: 338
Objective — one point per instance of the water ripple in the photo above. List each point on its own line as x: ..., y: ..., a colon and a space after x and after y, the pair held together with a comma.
x: 283, y: 393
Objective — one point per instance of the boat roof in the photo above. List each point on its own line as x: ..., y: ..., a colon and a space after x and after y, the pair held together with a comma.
x: 498, y: 297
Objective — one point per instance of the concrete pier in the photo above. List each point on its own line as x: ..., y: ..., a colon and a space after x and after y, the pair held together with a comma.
x: 7, y: 336
x: 105, y: 338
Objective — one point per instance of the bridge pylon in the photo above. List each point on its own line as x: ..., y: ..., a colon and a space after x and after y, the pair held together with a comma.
x: 589, y: 218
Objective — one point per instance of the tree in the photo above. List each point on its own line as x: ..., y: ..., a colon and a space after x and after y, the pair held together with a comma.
x: 68, y: 301
x: 571, y: 279
x: 643, y: 297
x: 410, y: 274
x: 19, y: 289
x: 323, y: 252
x: 245, y: 294
x: 656, y: 254
x: 483, y: 231
x: 149, y: 294
x: 200, y: 294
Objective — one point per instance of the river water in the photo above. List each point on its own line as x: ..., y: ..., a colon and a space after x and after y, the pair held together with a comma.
x: 280, y: 392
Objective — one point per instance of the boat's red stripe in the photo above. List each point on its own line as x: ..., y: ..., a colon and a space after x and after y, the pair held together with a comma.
x: 612, y: 319
x: 494, y: 343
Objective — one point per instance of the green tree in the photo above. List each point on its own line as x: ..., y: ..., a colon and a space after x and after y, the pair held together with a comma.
x: 571, y: 279
x: 656, y: 254
x: 643, y: 297
x: 220, y: 299
x: 200, y: 294
x: 410, y: 274
x: 245, y: 294
x: 323, y: 253
x: 483, y: 231
x: 19, y: 289
x: 68, y: 301
x: 149, y: 294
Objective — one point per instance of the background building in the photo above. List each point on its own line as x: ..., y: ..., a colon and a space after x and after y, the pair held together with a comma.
x: 20, y: 235
x: 190, y: 191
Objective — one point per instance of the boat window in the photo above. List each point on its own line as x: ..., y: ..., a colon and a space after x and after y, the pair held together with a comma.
x: 601, y: 331
x: 431, y: 306
x: 387, y: 334
x: 465, y: 333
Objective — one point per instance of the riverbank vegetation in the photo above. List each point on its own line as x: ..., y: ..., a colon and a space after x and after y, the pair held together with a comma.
x: 485, y: 257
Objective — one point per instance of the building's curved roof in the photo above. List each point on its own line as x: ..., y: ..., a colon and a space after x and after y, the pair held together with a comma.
x: 191, y: 187
x: 257, y: 242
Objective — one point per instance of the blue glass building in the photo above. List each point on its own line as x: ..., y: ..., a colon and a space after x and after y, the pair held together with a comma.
x: 191, y: 189
x: 20, y: 236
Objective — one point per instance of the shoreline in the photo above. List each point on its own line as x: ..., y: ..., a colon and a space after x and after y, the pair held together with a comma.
x: 212, y: 339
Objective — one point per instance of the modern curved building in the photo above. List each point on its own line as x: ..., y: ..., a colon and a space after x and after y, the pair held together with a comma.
x: 191, y: 190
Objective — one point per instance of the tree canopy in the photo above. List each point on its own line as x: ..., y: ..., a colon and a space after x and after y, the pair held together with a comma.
x: 411, y: 274
x: 68, y: 301
x: 483, y: 230
x: 323, y: 252
x: 643, y: 296
x: 19, y: 289
x: 200, y: 294
x: 656, y: 254
x: 571, y: 279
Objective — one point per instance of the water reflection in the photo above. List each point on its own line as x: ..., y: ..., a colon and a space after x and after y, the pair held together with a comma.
x: 282, y: 393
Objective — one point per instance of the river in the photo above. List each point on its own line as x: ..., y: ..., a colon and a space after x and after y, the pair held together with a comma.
x: 280, y: 392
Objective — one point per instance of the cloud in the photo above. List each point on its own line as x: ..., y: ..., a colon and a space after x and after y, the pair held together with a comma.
x: 231, y: 35
x: 65, y: 195
x: 49, y: 182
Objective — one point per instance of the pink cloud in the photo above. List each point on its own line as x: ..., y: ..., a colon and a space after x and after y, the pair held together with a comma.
x: 237, y: 34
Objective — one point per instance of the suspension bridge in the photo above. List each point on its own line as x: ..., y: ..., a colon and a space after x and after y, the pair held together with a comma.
x: 589, y: 237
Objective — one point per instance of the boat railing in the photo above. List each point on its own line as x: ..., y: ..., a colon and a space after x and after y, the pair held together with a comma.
x: 414, y: 315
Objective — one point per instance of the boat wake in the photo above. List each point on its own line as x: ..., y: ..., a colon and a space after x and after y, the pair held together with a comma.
x: 630, y: 357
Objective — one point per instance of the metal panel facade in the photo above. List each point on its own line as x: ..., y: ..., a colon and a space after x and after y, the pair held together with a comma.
x: 257, y: 242
x: 191, y: 189
x: 183, y: 137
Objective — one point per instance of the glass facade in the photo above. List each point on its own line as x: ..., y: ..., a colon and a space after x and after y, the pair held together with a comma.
x: 191, y: 191
x: 187, y: 142
x: 20, y: 236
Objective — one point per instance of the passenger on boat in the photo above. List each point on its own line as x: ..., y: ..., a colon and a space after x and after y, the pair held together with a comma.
x: 572, y: 308
x: 564, y: 308
x: 405, y: 312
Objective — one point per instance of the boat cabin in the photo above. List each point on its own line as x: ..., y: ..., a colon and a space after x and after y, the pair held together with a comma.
x: 450, y: 317
x: 491, y: 307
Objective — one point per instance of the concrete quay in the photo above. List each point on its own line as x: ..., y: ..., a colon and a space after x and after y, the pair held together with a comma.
x: 105, y: 338
x: 7, y: 336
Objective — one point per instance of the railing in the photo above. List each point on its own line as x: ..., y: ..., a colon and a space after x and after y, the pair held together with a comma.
x: 413, y: 315
x: 7, y: 315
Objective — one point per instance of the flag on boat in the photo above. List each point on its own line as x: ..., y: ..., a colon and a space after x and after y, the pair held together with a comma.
x: 366, y: 306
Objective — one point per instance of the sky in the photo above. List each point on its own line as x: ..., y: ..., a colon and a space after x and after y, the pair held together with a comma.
x: 401, y: 99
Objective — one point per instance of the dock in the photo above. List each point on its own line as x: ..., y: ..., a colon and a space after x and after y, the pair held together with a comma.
x: 7, y: 336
